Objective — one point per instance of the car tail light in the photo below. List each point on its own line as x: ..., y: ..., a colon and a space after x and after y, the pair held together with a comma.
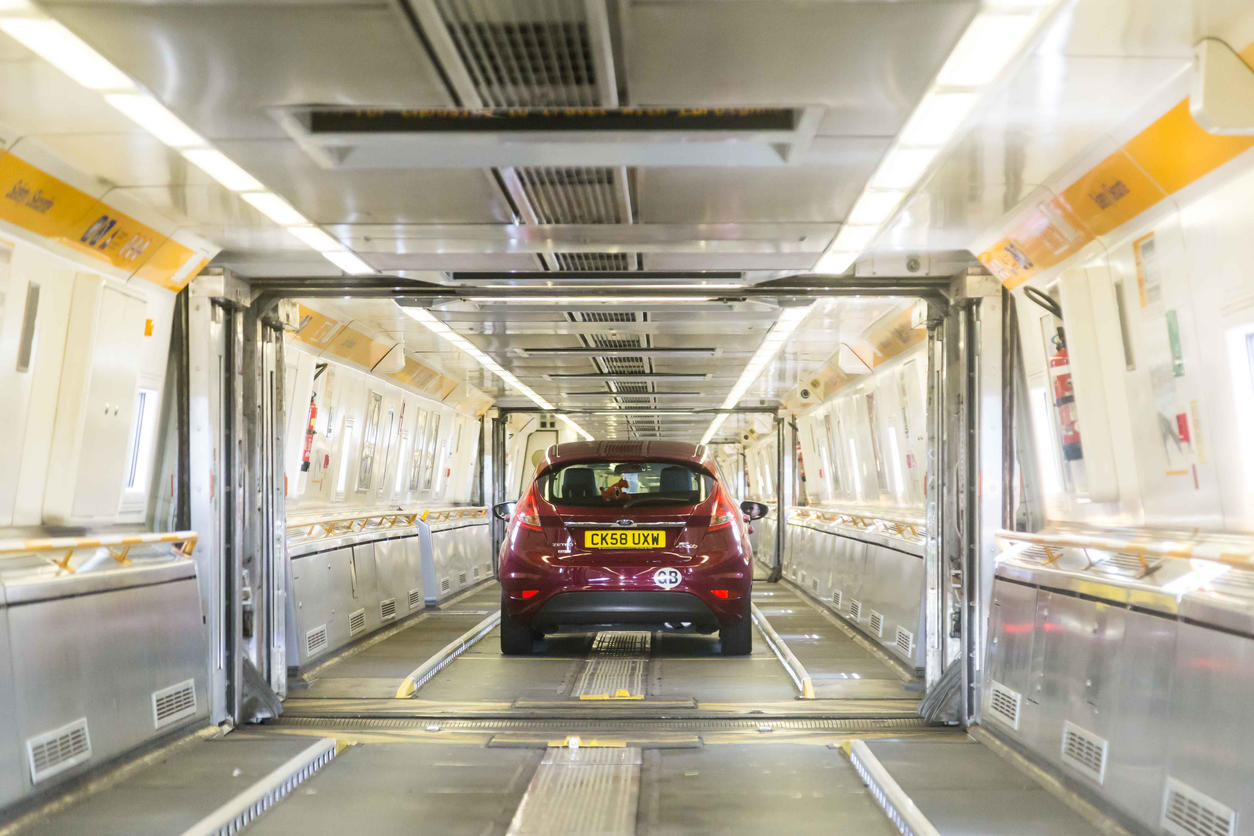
x: 724, y: 512
x: 526, y: 514
x: 721, y: 593
x: 530, y: 593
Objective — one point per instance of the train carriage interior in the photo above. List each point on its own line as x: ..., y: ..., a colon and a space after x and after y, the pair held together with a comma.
x: 627, y: 416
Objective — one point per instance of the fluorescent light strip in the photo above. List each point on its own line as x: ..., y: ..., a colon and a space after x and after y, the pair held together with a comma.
x: 589, y: 300
x: 994, y: 38
x: 785, y: 325
x: 71, y: 55
x: 442, y: 330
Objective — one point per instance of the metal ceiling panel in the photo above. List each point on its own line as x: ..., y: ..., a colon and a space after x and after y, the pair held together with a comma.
x: 36, y: 98
x: 870, y: 62
x: 125, y: 159
x: 387, y: 262
x: 221, y: 66
x: 384, y: 197
x: 751, y: 195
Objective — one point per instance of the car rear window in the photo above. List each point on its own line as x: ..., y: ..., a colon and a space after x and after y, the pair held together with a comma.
x: 625, y: 484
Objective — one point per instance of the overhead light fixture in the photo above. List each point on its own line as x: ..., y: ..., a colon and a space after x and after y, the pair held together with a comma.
x: 315, y: 238
x: 855, y: 238
x: 593, y: 351
x: 785, y: 325
x: 348, y: 261
x: 223, y: 169
x: 523, y: 299
x: 275, y: 208
x: 64, y: 50
x: 984, y: 50
x: 442, y: 330
x: 993, y: 39
x: 152, y: 116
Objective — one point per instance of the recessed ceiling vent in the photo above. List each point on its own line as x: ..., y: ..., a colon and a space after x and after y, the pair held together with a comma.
x: 55, y: 751
x: 595, y: 262
x: 524, y: 53
x: 583, y: 195
x: 604, y: 316
x: 1190, y: 812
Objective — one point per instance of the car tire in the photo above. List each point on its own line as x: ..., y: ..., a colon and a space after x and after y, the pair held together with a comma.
x: 737, y: 639
x: 516, y: 639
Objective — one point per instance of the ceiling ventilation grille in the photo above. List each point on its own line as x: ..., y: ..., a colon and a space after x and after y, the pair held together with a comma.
x: 55, y: 751
x: 605, y: 316
x: 356, y: 622
x: 624, y: 365
x: 415, y: 599
x: 1188, y: 812
x: 524, y: 53
x: 1084, y: 751
x: 174, y: 703
x: 595, y: 262
x: 631, y: 388
x: 387, y: 609
x: 1003, y: 703
x: 604, y: 341
x: 316, y: 640
x: 576, y: 196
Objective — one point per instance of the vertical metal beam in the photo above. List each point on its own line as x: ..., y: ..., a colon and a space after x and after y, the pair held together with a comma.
x: 783, y: 478
x: 498, y: 485
x: 936, y: 627
x: 234, y: 498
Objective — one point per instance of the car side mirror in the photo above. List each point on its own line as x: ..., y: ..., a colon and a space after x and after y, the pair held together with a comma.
x: 503, y: 510
x: 754, y: 510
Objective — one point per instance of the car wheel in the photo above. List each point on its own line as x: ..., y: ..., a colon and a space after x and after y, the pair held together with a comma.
x: 516, y: 638
x: 737, y: 639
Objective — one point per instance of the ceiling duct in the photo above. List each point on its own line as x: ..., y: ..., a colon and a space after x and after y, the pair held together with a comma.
x: 595, y: 262
x: 572, y: 195
x: 604, y: 316
x: 525, y: 53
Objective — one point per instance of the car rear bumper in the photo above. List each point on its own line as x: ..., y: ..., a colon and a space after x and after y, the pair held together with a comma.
x: 625, y: 608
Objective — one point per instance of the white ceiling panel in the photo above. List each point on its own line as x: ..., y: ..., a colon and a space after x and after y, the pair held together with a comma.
x: 747, y: 195
x: 870, y: 62
x: 220, y: 67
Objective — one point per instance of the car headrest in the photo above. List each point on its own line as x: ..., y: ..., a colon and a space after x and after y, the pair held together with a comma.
x: 578, y: 483
x: 676, y: 479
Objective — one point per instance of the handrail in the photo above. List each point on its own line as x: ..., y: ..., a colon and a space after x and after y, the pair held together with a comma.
x: 118, y: 545
x: 900, y: 526
x: 1141, y: 548
x: 381, y: 520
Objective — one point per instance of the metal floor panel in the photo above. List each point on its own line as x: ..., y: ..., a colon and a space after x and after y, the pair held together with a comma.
x: 581, y: 791
x: 616, y: 667
x: 176, y: 789
x: 963, y: 788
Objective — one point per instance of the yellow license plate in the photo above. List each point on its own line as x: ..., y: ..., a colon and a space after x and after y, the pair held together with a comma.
x: 633, y: 539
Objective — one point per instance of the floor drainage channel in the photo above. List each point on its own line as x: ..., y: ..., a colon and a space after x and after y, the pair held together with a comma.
x: 572, y: 726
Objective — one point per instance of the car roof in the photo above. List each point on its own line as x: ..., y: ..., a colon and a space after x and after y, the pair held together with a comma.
x: 590, y: 451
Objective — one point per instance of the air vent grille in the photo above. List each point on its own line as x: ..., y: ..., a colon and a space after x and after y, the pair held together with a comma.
x: 877, y: 624
x: 855, y: 609
x: 1189, y: 812
x: 595, y: 262
x: 838, y: 598
x: 475, y: 572
x: 444, y: 585
x: 526, y: 53
x: 174, y: 703
x: 387, y: 609
x: 577, y: 196
x: 603, y: 341
x: 623, y: 365
x: 1003, y: 703
x: 905, y: 642
x: 1084, y: 751
x: 58, y: 750
x: 415, y: 599
x: 461, y: 578
x: 316, y: 640
x: 605, y: 316
x: 356, y: 622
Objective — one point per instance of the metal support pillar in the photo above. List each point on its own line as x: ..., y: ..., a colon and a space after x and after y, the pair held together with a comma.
x: 497, y: 467
x: 784, y: 456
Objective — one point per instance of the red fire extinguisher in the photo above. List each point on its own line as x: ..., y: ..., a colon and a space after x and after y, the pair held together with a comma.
x: 309, y: 434
x: 1064, y: 399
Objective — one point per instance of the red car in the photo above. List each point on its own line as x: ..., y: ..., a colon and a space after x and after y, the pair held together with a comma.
x: 637, y: 535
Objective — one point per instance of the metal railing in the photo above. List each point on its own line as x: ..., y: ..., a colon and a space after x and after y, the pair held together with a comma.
x: 912, y: 527
x: 379, y: 521
x: 118, y: 545
x: 1139, y: 547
